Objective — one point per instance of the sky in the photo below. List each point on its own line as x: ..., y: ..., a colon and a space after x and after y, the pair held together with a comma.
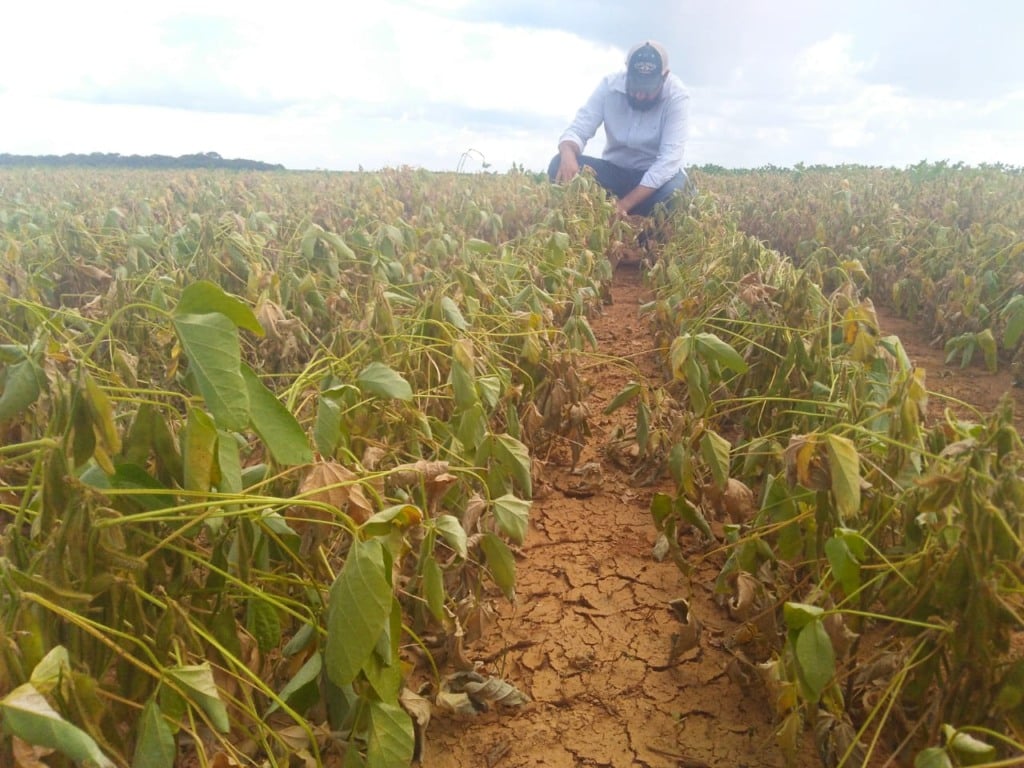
x: 468, y: 84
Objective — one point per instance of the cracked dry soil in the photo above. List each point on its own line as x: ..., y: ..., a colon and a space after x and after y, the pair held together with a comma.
x: 589, y: 636
x: 590, y: 633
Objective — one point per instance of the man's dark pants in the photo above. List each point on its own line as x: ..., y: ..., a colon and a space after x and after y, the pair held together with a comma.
x: 621, y: 181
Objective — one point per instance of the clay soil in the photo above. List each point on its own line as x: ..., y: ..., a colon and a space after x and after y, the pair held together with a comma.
x: 589, y: 635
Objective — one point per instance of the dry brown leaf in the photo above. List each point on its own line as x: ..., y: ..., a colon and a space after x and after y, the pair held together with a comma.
x: 329, y: 482
x: 29, y: 755
x: 807, y: 463
x: 736, y: 502
x: 408, y: 475
x: 745, y: 602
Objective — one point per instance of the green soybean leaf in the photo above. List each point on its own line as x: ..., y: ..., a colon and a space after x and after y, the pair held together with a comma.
x: 214, y: 355
x: 303, y: 690
x: 200, y: 445
x: 933, y: 757
x: 816, y: 659
x: 201, y: 690
x: 21, y: 384
x: 845, y: 465
x: 453, y: 533
x: 844, y: 565
x: 452, y: 313
x: 433, y: 587
x: 713, y: 348
x: 513, y: 515
x: 715, y: 450
x: 967, y: 749
x: 463, y: 386
x: 274, y: 423
x: 679, y: 354
x: 501, y: 563
x: 29, y: 716
x: 513, y: 457
x: 628, y: 393
x: 799, y: 615
x: 661, y: 508
x: 102, y: 413
x: 155, y: 747
x: 358, y: 610
x: 1013, y: 313
x: 989, y: 349
x: 46, y: 675
x: 391, y: 740
x: 205, y: 297
x: 380, y: 380
x: 692, y: 515
x: 263, y: 624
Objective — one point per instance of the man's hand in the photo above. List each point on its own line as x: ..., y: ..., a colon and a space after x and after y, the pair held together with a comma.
x: 567, y: 168
x: 636, y: 196
x: 569, y: 164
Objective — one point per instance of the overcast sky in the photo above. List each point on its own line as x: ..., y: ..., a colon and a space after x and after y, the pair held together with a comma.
x: 378, y: 83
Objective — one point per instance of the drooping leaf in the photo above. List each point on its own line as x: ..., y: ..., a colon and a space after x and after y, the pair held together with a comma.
x: 512, y: 457
x: 844, y: 565
x: 513, y: 516
x: 1013, y: 313
x: 211, y: 344
x: 382, y: 381
x: 845, y: 465
x: 358, y: 610
x: 968, y: 749
x: 453, y: 533
x: 46, y: 675
x: 452, y: 313
x: 200, y: 450
x: 679, y: 355
x: 500, y: 563
x: 263, y: 623
x: 433, y: 587
x: 713, y: 348
x: 798, y: 615
x: 21, y: 385
x: 933, y: 757
x: 102, y: 413
x: 302, y: 690
x: 28, y: 715
x: 463, y: 385
x: 989, y: 349
x: 154, y: 747
x: 327, y: 429
x: 200, y: 689
x: 204, y: 297
x: 815, y: 657
x: 275, y: 424
x: 715, y: 450
x: 628, y: 393
x: 391, y: 740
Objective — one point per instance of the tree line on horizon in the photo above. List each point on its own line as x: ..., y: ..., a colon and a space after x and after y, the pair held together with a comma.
x: 116, y: 160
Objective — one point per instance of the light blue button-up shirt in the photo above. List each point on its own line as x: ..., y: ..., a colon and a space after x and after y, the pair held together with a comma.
x: 651, y: 139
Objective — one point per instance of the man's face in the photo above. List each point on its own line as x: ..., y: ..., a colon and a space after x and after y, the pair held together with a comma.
x: 643, y: 98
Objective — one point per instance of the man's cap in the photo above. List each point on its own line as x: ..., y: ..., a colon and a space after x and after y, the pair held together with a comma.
x: 646, y: 63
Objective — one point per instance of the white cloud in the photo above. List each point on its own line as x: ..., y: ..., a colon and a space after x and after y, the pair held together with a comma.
x: 421, y: 81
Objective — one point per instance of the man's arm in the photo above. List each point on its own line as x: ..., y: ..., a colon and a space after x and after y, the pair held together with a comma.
x: 582, y: 129
x: 636, y: 196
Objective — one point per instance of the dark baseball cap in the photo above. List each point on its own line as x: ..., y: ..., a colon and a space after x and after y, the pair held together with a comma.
x: 646, y: 66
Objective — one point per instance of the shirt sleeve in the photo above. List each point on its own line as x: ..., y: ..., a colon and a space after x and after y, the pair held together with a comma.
x: 588, y: 119
x: 674, y: 133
